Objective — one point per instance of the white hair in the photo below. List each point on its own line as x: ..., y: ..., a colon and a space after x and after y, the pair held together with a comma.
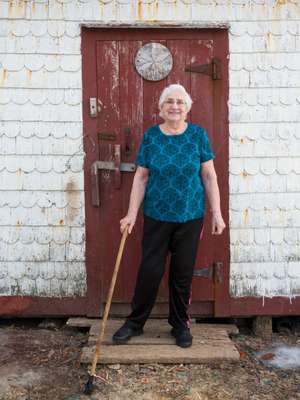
x: 172, y: 88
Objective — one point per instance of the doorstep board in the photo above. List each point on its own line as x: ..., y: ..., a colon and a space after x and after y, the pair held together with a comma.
x: 211, y: 343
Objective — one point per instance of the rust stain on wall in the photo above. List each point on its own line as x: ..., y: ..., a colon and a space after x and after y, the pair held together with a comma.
x: 3, y: 77
x: 101, y: 8
x: 72, y: 195
x: 280, y: 3
x: 21, y: 6
x: 10, y: 8
x: 29, y: 75
x: 150, y: 8
x: 156, y: 7
x: 19, y: 10
x: 269, y: 40
x: 140, y: 9
x: 246, y: 216
x: 246, y: 140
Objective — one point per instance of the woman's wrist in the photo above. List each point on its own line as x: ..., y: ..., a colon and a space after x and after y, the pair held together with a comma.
x: 132, y: 215
x: 216, y: 212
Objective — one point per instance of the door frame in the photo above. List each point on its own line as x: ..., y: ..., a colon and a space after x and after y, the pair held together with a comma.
x: 89, y: 34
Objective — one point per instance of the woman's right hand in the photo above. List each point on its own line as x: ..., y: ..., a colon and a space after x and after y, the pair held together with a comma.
x: 128, y: 220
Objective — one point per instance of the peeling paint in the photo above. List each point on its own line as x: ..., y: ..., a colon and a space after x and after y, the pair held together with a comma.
x: 238, y: 288
x: 159, y: 24
x: 293, y: 258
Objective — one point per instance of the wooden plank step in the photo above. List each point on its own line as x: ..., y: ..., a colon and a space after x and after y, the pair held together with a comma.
x: 211, y: 343
x: 166, y: 354
x: 155, y: 325
x: 167, y: 339
x: 158, y: 335
x: 116, y: 323
x: 140, y: 340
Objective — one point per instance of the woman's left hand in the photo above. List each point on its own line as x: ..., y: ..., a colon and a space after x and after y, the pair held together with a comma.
x: 218, y: 224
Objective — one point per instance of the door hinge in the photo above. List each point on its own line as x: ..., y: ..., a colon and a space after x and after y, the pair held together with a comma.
x: 213, y: 271
x: 204, y: 272
x: 218, y: 272
x: 212, y: 69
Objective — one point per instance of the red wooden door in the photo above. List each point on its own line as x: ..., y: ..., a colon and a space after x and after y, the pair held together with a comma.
x: 126, y: 105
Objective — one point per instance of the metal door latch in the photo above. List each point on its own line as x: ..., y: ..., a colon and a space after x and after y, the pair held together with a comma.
x: 117, y: 166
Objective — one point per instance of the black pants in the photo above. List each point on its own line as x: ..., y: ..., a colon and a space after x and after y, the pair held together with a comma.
x: 159, y: 237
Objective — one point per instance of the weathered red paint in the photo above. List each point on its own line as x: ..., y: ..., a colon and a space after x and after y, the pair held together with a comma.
x: 275, y: 306
x: 131, y: 102
x: 221, y: 148
x: 29, y: 306
x: 161, y: 309
x: 214, y: 298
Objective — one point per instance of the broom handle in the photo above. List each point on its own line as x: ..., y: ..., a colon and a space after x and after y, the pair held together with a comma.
x: 108, y: 302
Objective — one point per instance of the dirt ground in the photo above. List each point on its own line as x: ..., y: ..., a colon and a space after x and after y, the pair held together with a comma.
x: 40, y: 361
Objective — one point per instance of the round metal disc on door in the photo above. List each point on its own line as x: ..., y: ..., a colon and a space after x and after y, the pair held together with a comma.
x: 153, y: 61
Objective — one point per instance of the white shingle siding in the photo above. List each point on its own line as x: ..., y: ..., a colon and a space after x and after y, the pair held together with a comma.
x: 264, y: 115
x: 42, y: 240
x: 42, y: 199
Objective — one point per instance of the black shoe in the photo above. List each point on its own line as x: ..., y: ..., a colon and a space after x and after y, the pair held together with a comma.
x: 125, y: 333
x: 183, y: 337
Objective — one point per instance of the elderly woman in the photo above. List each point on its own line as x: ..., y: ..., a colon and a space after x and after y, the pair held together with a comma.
x: 174, y: 171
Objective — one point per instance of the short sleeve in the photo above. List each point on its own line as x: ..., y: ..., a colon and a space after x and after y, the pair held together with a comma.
x: 142, y: 156
x: 206, y: 151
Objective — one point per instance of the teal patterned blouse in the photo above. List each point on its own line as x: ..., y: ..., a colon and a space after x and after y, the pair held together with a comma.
x: 174, y: 190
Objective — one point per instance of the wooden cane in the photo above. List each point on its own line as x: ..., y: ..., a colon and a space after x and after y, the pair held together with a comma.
x: 102, y: 325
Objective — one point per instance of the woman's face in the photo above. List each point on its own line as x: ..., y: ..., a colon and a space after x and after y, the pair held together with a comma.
x: 174, y: 108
